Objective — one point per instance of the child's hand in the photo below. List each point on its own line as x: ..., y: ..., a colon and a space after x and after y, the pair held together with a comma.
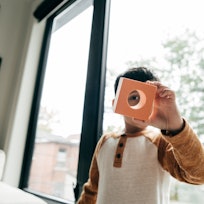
x: 165, y: 113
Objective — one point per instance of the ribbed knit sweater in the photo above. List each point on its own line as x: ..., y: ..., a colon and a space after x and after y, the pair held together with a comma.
x: 136, y: 169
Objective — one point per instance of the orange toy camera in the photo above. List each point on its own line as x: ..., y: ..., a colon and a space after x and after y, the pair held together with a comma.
x: 134, y: 98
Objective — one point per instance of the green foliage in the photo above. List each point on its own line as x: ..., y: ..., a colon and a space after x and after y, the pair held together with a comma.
x: 47, y: 118
x: 184, y: 54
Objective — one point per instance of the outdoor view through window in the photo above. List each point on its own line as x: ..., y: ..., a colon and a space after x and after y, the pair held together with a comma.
x: 55, y: 159
x: 166, y: 36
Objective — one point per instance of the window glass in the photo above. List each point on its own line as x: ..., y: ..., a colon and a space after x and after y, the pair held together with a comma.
x: 168, y: 37
x: 55, y: 159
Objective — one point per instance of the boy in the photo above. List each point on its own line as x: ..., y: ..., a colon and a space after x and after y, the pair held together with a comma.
x: 134, y: 167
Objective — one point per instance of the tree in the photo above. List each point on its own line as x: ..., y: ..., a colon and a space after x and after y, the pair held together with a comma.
x: 184, y: 53
x: 47, y: 118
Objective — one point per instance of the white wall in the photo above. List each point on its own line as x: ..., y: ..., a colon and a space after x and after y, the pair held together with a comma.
x: 20, y: 44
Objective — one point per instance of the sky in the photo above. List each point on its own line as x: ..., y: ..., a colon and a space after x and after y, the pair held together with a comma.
x: 65, y: 79
x: 138, y: 27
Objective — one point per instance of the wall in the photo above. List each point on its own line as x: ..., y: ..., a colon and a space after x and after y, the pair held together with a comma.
x: 20, y: 44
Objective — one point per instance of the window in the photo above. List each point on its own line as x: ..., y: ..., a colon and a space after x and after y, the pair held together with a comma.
x: 61, y: 157
x: 67, y: 108
x: 55, y: 158
x: 166, y: 36
x: 160, y: 35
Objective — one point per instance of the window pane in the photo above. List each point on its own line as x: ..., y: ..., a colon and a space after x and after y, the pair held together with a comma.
x: 166, y: 36
x: 55, y: 159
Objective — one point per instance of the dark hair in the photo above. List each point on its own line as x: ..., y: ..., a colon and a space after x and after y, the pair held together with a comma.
x: 137, y: 73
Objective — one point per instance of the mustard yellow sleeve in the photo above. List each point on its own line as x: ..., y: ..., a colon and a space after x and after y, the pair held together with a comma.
x: 90, y: 188
x: 183, y: 156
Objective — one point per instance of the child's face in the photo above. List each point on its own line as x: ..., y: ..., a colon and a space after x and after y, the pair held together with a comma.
x: 134, y: 125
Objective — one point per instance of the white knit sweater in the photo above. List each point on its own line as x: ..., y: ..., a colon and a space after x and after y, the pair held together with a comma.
x: 140, y: 179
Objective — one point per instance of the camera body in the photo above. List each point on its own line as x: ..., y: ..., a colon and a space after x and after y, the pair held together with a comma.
x: 134, y: 98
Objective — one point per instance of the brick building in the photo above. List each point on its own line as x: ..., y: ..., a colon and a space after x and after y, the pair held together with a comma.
x: 54, y: 165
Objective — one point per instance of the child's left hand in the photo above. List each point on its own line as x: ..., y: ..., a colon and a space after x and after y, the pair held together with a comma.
x: 165, y: 113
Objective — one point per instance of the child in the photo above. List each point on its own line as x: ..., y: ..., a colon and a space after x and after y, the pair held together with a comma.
x: 134, y: 167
